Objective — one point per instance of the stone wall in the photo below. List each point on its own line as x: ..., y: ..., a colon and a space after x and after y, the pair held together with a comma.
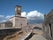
x: 8, y: 33
x: 18, y: 21
x: 48, y: 25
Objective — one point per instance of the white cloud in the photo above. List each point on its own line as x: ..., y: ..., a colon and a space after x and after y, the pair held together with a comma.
x: 9, y: 16
x: 1, y: 16
x: 33, y: 15
x: 23, y: 14
x: 5, y: 18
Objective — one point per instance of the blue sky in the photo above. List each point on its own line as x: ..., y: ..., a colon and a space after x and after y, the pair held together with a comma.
x: 41, y: 6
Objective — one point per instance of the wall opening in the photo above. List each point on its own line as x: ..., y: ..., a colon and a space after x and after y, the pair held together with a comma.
x: 50, y: 29
x: 37, y: 28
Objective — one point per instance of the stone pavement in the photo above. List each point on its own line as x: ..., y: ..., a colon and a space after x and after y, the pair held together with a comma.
x: 37, y: 37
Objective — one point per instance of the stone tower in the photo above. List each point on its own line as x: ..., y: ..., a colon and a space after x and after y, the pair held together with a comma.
x: 18, y: 10
x: 18, y: 21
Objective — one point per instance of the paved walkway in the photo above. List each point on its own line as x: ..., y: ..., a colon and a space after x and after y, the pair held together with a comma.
x: 38, y: 37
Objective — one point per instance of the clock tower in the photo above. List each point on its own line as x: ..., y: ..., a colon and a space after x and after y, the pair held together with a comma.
x: 18, y: 10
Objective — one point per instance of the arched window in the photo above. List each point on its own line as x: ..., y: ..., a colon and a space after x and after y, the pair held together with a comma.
x: 37, y: 28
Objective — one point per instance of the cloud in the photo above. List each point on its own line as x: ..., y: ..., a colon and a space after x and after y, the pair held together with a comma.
x: 32, y: 16
x: 5, y: 18
x: 23, y: 14
x: 1, y: 16
x: 9, y: 16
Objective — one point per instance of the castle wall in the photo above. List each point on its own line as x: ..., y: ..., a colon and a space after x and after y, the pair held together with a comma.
x: 20, y: 22
x: 48, y: 25
x: 2, y: 25
x: 13, y: 21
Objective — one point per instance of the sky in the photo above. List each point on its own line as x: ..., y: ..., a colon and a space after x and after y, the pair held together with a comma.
x: 34, y: 10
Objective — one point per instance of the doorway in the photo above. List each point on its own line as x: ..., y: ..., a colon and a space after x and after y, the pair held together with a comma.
x: 50, y: 29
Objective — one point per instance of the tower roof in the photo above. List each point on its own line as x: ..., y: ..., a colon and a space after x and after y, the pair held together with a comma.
x: 18, y: 6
